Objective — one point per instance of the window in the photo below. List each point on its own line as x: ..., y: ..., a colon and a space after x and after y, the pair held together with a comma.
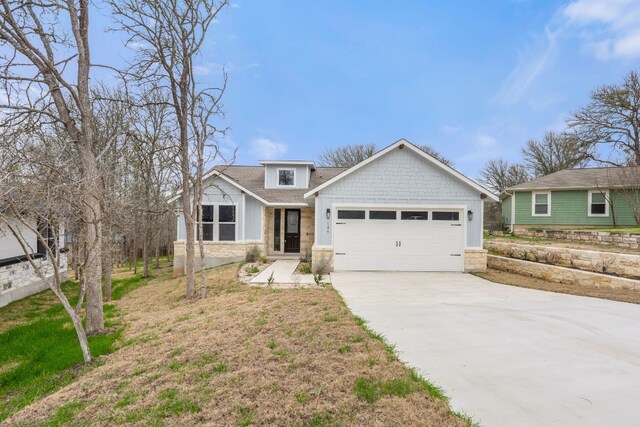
x: 350, y: 214
x: 286, y: 177
x: 227, y: 223
x: 598, y: 205
x: 415, y: 215
x: 383, y: 215
x: 48, y: 235
x: 207, y: 223
x: 445, y: 216
x: 541, y: 204
x: 276, y: 229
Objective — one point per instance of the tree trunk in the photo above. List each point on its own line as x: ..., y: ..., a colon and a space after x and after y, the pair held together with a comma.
x: 157, y: 252
x: 107, y: 266
x: 145, y: 253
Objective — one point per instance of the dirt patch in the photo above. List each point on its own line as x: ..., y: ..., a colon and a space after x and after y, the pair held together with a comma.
x: 599, y: 247
x: 514, y: 279
x: 242, y: 356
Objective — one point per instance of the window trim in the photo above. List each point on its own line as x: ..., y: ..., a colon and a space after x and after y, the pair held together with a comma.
x: 216, y: 223
x: 234, y: 223
x: 533, y: 203
x: 201, y: 223
x: 606, y: 203
x: 278, y: 177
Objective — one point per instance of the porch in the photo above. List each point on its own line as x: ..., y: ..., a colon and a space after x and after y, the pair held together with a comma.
x: 288, y: 231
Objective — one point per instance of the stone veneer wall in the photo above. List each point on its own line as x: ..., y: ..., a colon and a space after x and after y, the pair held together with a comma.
x: 19, y: 280
x: 601, y: 262
x: 475, y: 260
x: 625, y: 240
x: 318, y: 252
x: 558, y: 274
x: 216, y: 253
x: 307, y: 230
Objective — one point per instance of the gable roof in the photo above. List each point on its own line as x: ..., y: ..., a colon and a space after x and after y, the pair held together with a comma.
x: 250, y: 179
x: 416, y: 150
x: 585, y: 178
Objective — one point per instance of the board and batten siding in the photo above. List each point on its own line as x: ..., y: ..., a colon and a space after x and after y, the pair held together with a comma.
x: 301, y: 178
x: 570, y: 207
x: 220, y: 192
x: 400, y: 177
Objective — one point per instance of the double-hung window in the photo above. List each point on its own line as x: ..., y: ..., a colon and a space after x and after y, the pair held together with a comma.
x: 541, y: 204
x: 206, y: 223
x: 598, y: 205
x: 226, y: 223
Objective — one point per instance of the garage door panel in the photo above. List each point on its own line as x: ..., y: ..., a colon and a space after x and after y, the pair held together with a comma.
x: 399, y: 245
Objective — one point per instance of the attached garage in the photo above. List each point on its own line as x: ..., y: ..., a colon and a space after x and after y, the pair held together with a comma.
x: 400, y: 210
x: 399, y: 239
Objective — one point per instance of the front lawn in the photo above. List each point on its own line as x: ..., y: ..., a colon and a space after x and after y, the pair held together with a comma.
x: 39, y: 351
x: 244, y: 356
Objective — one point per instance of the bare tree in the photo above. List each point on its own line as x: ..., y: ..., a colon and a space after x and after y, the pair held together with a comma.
x: 170, y: 34
x: 555, y: 152
x: 45, y: 79
x: 347, y: 155
x: 611, y: 121
x: 498, y: 175
x: 435, y: 154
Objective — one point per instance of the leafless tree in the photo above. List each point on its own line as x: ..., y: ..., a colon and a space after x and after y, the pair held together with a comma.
x: 555, y: 152
x: 347, y: 155
x: 45, y: 67
x: 169, y: 35
x: 435, y: 154
x: 499, y: 174
x: 38, y: 195
x: 611, y: 122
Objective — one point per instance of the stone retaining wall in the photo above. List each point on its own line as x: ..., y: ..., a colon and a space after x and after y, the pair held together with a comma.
x: 475, y: 260
x: 597, y: 261
x: 19, y: 280
x: 624, y: 240
x: 558, y: 274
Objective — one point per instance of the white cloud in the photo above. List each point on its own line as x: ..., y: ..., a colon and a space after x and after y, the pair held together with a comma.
x: 610, y: 29
x: 531, y: 64
x: 267, y: 149
x: 201, y: 70
x: 485, y: 141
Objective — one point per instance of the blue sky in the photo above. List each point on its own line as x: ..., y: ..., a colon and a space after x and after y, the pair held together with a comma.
x: 475, y: 80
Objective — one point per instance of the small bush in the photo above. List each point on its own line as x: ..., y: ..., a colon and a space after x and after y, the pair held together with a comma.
x: 253, y: 254
x: 263, y: 259
x: 252, y: 269
x: 306, y: 255
x: 305, y: 268
x: 322, y: 266
x: 270, y: 279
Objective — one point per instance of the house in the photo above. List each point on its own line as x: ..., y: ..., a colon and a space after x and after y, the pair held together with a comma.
x: 17, y: 276
x: 574, y: 198
x: 399, y: 210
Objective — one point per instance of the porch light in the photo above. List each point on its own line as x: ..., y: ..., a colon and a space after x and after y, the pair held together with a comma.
x: 470, y: 215
x: 328, y: 213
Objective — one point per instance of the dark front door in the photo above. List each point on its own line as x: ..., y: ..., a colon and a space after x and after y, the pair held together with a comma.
x: 292, y: 230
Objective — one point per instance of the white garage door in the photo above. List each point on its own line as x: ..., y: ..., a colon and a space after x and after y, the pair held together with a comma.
x: 398, y: 240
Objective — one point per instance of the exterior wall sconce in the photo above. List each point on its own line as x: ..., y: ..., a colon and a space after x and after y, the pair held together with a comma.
x: 470, y: 215
x: 328, y: 213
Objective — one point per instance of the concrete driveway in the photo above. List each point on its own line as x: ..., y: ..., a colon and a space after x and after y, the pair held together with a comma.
x: 508, y: 356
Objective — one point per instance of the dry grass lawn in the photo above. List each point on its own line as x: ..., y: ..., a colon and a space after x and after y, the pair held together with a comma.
x: 243, y: 356
x: 514, y: 279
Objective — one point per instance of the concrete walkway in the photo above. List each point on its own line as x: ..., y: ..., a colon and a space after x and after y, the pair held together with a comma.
x: 284, y: 273
x: 508, y: 356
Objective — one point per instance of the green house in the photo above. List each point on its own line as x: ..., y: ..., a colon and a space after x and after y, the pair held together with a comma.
x: 575, y: 198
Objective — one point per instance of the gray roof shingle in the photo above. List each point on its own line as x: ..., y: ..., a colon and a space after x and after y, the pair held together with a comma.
x: 252, y: 178
x: 607, y: 177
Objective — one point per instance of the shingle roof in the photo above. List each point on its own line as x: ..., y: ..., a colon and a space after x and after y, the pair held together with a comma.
x: 252, y: 178
x: 609, y: 177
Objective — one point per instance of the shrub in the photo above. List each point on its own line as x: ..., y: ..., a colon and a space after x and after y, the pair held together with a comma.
x: 263, y: 259
x: 305, y: 268
x: 253, y: 254
x: 321, y: 267
x: 306, y: 255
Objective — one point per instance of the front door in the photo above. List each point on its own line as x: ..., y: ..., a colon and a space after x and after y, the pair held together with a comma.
x: 292, y: 230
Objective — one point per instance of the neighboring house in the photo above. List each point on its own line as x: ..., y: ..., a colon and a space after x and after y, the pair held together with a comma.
x: 399, y: 210
x: 17, y: 277
x: 574, y: 198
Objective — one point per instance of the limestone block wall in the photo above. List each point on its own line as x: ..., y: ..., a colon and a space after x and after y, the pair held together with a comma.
x: 20, y: 280
x: 317, y: 253
x: 625, y: 240
x: 597, y: 261
x: 475, y: 260
x: 558, y: 274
